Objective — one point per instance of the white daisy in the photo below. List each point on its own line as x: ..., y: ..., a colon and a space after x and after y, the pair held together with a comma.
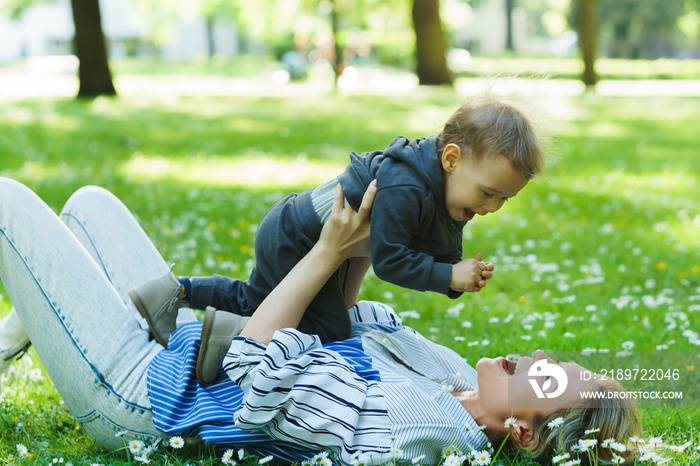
x: 451, y: 460
x: 22, y: 451
x: 418, y: 459
x: 241, y: 454
x: 592, y: 431
x: 319, y: 457
x: 135, y: 446
x: 617, y: 459
x: 267, y: 459
x: 618, y: 447
x: 643, y: 450
x: 587, y: 443
x: 510, y: 423
x: 556, y: 423
x: 651, y: 456
x: 148, y: 450
x: 142, y: 459
x: 607, y: 443
x: 228, y: 457
x: 560, y: 458
x: 482, y: 458
x: 176, y: 442
x: 655, y: 441
x: 636, y: 439
x: 572, y: 463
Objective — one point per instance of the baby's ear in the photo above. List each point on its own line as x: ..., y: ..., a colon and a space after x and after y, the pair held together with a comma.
x: 451, y: 155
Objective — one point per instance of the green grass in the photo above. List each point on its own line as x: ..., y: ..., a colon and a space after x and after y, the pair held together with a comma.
x: 556, y: 68
x: 572, y: 68
x: 600, y: 252
x: 243, y: 65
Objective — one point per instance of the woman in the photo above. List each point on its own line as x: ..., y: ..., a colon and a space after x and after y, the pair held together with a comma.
x: 387, y: 391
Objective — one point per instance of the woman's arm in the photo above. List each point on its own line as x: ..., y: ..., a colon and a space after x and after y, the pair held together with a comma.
x: 345, y: 234
x: 354, y: 272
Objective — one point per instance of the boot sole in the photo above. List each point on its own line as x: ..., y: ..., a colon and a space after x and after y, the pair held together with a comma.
x: 207, y: 326
x: 137, y: 302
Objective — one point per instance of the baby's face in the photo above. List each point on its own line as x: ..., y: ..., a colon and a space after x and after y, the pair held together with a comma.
x: 479, y: 188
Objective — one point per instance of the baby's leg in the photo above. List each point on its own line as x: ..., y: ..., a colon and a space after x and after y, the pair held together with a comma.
x: 279, y: 245
x: 89, y: 342
x: 221, y: 292
x: 327, y: 316
x: 285, y: 234
x: 284, y: 237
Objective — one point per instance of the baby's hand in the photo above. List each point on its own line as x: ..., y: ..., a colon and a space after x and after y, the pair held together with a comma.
x: 470, y: 275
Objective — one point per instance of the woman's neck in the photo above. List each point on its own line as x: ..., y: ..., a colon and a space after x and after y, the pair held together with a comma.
x: 471, y: 401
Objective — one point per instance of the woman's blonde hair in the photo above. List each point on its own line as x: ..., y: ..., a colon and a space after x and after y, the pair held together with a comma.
x: 489, y: 126
x: 616, y: 417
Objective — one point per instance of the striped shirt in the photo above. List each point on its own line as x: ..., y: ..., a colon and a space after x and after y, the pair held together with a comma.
x: 295, y: 397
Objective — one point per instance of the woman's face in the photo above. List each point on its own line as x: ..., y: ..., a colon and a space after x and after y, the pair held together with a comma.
x: 506, y: 389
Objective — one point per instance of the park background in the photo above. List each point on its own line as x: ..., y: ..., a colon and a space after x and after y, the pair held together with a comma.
x: 201, y: 115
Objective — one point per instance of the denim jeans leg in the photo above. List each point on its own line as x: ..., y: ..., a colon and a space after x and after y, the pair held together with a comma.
x: 91, y: 345
x: 117, y: 243
x: 13, y: 339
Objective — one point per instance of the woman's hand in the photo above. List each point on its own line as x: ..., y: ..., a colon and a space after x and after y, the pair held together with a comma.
x: 346, y: 233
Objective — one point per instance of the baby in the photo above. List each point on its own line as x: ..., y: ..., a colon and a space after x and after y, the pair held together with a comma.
x: 427, y: 190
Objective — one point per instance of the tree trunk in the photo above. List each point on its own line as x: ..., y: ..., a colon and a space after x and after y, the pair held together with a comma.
x: 93, y: 72
x: 335, y: 28
x: 430, y: 43
x: 509, y: 25
x: 620, y: 46
x: 587, y: 38
x: 211, y: 43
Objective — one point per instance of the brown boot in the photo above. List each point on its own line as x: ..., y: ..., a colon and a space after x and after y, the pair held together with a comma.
x: 218, y: 331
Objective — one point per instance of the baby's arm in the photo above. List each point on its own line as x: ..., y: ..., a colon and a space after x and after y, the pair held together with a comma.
x: 470, y: 275
x: 396, y: 221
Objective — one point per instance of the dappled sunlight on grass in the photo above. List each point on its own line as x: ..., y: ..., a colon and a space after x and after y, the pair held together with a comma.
x: 44, y: 114
x: 251, y: 173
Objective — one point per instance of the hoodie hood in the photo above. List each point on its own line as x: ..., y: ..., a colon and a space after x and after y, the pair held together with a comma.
x: 404, y: 162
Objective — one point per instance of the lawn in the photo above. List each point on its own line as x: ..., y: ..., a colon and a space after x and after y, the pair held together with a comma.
x: 602, y: 253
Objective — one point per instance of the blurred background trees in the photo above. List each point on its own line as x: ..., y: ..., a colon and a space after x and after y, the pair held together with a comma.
x: 88, y: 42
x: 438, y: 40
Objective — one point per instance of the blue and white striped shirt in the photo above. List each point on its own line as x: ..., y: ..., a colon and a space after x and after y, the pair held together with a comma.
x: 295, y: 397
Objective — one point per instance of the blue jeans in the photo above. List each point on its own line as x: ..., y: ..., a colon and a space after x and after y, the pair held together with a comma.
x: 68, y: 282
